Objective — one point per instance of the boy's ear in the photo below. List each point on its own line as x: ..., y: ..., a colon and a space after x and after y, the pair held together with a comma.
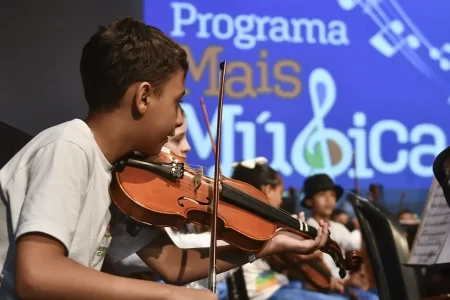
x: 142, y: 98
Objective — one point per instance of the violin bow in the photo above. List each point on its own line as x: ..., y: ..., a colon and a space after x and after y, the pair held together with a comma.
x: 205, y: 114
x: 356, y: 182
x: 402, y: 202
x: 215, y: 200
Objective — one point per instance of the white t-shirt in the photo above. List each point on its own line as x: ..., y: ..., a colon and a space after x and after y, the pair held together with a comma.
x: 356, y: 239
x: 341, y: 235
x: 197, y: 241
x: 58, y: 185
x: 261, y: 282
x: 122, y: 251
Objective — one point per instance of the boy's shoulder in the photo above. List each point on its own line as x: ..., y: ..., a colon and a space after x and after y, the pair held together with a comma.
x: 69, y: 137
x: 75, y: 134
x: 75, y: 131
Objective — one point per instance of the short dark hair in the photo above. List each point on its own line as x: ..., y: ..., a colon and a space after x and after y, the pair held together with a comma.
x: 125, y: 52
x: 259, y: 176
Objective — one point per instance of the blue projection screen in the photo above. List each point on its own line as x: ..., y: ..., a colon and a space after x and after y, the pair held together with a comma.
x: 312, y: 82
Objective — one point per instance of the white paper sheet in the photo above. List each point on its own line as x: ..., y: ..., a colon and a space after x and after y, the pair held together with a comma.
x: 432, y: 242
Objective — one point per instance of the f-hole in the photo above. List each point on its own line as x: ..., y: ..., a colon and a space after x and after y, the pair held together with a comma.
x: 181, y: 199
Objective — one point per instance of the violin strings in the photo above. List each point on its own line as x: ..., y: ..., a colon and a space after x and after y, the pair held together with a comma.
x: 210, y: 173
x: 207, y: 172
x: 188, y: 187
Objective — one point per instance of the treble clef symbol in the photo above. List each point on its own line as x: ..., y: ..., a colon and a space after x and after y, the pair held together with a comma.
x: 310, y: 151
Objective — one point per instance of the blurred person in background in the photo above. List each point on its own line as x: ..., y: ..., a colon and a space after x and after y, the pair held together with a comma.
x: 261, y: 281
x: 321, y: 195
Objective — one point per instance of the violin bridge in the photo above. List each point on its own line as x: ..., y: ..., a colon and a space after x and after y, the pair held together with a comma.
x: 198, y: 178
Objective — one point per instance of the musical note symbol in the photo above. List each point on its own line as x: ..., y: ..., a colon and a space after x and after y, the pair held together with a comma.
x: 348, y: 4
x: 310, y: 152
x: 379, y: 41
x: 351, y: 4
x: 437, y: 54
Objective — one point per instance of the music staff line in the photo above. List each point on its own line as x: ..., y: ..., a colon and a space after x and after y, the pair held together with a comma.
x: 390, y: 39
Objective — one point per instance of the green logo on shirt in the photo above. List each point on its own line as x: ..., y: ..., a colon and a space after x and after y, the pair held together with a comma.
x: 266, y: 280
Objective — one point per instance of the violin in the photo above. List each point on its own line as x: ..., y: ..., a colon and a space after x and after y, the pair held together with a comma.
x: 164, y: 191
x: 313, y: 272
x: 367, y: 269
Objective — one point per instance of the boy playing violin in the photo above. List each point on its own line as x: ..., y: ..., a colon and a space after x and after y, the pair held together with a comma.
x: 321, y: 195
x: 133, y: 266
x: 188, y: 237
x: 54, y: 214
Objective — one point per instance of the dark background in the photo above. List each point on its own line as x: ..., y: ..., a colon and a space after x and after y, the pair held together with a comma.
x: 41, y: 43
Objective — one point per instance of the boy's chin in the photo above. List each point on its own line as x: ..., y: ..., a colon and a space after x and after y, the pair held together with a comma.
x: 152, y: 152
x: 156, y: 151
x: 327, y: 212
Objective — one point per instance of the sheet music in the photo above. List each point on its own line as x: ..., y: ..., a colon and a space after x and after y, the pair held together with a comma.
x: 433, y: 233
x: 444, y: 255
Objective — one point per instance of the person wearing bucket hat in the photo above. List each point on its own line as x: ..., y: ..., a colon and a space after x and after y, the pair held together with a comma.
x: 318, y: 183
x: 320, y: 195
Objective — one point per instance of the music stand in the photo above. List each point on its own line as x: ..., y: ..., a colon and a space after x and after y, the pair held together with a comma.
x: 441, y: 170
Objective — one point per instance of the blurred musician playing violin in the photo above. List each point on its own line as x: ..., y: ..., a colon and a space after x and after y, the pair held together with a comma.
x: 320, y: 195
x: 340, y: 216
x: 261, y: 281
x: 375, y: 194
x: 406, y: 216
x: 54, y: 213
x: 178, y: 143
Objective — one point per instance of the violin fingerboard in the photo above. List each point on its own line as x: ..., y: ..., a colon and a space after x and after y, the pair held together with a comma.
x: 303, y: 226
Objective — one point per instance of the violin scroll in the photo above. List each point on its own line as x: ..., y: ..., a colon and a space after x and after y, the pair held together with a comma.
x: 353, y: 261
